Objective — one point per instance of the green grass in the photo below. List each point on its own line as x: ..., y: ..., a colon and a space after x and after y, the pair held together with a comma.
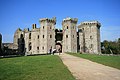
x: 34, y: 68
x: 112, y: 61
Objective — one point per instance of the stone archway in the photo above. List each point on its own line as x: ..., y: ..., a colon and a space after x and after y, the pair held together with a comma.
x: 58, y: 46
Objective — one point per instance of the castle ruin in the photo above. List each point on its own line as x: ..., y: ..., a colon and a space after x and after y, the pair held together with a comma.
x: 84, y: 37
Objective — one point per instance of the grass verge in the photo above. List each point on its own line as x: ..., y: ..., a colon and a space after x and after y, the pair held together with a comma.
x: 112, y: 61
x: 34, y: 68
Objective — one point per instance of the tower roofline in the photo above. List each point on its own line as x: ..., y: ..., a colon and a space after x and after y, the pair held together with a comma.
x: 89, y: 23
x: 48, y: 20
x: 70, y: 19
x: 74, y: 20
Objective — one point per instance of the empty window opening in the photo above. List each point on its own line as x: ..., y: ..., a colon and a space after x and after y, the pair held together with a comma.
x: 66, y: 36
x: 42, y: 48
x: 30, y: 47
x: 43, y: 36
x: 43, y: 27
x: 91, y: 46
x: 67, y: 27
x: 37, y: 48
x: 50, y: 36
x: 90, y: 37
x: 30, y: 36
x: 50, y: 27
x: 38, y: 36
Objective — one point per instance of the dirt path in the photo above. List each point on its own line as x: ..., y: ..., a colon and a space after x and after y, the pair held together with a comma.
x: 84, y: 69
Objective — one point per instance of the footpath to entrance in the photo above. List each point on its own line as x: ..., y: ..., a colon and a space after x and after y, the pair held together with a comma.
x: 83, y: 69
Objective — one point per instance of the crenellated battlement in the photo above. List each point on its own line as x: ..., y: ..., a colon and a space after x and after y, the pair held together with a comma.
x: 74, y: 20
x: 53, y: 20
x: 90, y: 23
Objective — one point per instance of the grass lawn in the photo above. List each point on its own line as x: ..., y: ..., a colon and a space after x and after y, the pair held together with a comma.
x: 113, y: 61
x: 45, y: 67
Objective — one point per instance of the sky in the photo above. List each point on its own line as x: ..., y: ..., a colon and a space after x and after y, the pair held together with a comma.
x: 23, y: 13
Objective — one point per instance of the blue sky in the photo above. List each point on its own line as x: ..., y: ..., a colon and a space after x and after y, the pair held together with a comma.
x: 23, y: 13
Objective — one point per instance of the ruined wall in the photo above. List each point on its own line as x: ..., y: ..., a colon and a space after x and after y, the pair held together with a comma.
x: 40, y: 40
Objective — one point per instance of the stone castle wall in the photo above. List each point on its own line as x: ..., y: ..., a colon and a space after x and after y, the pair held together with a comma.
x: 41, y: 40
x: 69, y: 35
x: 89, y: 37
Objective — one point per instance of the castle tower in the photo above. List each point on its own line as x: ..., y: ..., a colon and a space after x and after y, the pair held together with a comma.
x: 47, y: 34
x: 69, y: 35
x: 89, y: 37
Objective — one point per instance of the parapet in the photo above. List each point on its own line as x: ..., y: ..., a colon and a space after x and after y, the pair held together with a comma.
x: 26, y: 29
x: 90, y: 23
x: 74, y: 20
x: 53, y: 20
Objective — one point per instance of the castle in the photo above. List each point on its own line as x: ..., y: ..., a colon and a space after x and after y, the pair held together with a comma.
x: 84, y: 37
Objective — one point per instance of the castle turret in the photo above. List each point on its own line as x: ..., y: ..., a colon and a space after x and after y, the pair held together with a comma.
x: 47, y: 34
x: 69, y: 35
x: 89, y: 37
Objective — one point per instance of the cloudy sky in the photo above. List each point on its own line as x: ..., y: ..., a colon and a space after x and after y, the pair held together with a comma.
x: 23, y: 13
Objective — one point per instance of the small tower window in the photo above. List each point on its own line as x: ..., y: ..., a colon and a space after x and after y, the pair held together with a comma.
x: 30, y: 46
x: 43, y: 36
x: 91, y: 46
x: 43, y: 48
x: 90, y: 37
x: 37, y: 48
x: 66, y: 36
x: 50, y: 36
x: 73, y: 36
x: 43, y: 27
x: 50, y: 27
x: 67, y: 27
x: 83, y: 29
x: 38, y: 36
x: 30, y: 36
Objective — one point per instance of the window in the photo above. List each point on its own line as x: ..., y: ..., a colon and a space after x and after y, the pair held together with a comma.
x: 38, y: 36
x: 50, y: 27
x: 66, y: 36
x: 90, y: 37
x: 83, y: 29
x: 30, y: 47
x: 42, y: 48
x: 37, y: 48
x: 91, y: 46
x: 67, y: 27
x: 43, y: 27
x: 50, y: 36
x: 43, y: 36
x: 73, y: 27
x: 30, y: 36
x: 73, y: 36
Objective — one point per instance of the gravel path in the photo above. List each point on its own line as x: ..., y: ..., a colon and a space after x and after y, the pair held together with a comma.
x: 84, y: 69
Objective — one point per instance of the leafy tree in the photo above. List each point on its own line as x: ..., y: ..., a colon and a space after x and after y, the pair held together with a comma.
x: 111, y: 47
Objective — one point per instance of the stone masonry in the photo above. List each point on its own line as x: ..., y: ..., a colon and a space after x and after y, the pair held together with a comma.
x: 41, y: 40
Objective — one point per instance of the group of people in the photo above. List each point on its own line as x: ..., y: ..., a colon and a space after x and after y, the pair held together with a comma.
x: 53, y: 51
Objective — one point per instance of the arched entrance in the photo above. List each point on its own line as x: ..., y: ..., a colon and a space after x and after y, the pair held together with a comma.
x: 58, y: 47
